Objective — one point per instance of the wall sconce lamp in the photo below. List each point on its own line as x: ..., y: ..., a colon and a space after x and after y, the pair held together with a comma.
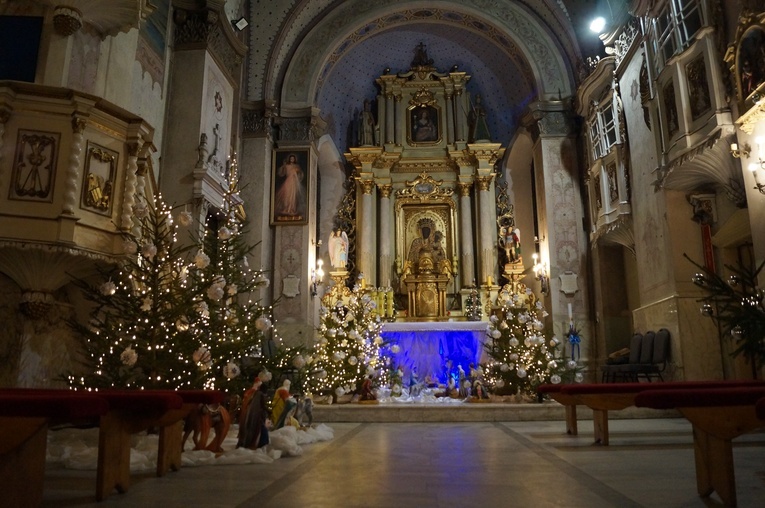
x: 317, y: 275
x: 540, y: 273
x: 756, y: 167
x: 737, y: 152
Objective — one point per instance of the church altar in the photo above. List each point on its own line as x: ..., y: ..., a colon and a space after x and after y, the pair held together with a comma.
x: 426, y: 348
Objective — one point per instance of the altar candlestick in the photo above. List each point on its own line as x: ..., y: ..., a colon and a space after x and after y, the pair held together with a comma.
x: 389, y: 303
x: 570, y: 314
x: 488, y: 280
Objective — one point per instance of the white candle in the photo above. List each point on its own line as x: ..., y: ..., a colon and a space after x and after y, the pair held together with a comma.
x: 570, y: 313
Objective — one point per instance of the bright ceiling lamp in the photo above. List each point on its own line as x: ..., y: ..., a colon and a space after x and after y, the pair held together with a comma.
x: 598, y: 24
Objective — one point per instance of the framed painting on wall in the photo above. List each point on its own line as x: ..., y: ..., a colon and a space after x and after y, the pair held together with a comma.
x: 423, y: 125
x: 289, y: 188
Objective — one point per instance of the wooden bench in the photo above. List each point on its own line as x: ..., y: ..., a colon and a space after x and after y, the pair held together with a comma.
x: 605, y: 397
x: 718, y: 415
x: 24, y: 422
x: 171, y: 427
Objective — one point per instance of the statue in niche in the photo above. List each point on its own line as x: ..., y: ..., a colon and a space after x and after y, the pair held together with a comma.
x: 478, y: 128
x: 421, y: 56
x: 338, y: 248
x: 510, y: 241
x: 426, y: 250
x: 368, y: 125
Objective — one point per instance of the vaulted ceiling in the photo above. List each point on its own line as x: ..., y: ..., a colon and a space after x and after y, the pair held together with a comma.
x: 327, y: 54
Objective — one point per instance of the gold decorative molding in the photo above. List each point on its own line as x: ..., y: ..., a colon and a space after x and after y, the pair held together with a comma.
x: 425, y: 189
x: 422, y: 97
x: 488, y: 155
x: 385, y: 190
x: 367, y: 186
x: 749, y: 120
x: 484, y: 182
x: 421, y: 167
x: 464, y: 189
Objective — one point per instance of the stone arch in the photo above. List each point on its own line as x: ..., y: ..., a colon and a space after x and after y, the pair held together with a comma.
x: 518, y: 27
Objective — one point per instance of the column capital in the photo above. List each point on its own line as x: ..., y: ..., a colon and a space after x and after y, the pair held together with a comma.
x: 551, y: 118
x: 367, y: 186
x: 484, y: 182
x: 385, y: 190
x: 464, y: 188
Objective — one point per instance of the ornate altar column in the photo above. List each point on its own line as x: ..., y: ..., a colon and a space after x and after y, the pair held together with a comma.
x: 560, y: 213
x: 399, y: 131
x: 488, y: 258
x: 366, y: 257
x: 389, y: 118
x: 386, y: 211
x: 467, y: 259
x: 461, y: 119
x: 449, y: 117
x: 487, y: 155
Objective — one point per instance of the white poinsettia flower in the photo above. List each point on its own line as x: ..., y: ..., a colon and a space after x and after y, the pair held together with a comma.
x: 201, y: 260
x: 262, y: 323
x: 185, y: 219
x: 108, y: 288
x: 148, y: 250
x: 224, y: 233
x: 215, y: 292
x: 201, y: 355
x: 129, y: 246
x: 129, y: 356
x: 202, y: 308
x: 231, y: 370
x: 140, y: 210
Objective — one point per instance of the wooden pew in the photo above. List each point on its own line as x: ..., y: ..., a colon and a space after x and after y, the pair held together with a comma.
x: 718, y: 415
x: 24, y: 422
x: 605, y: 397
x: 171, y: 427
x: 568, y: 401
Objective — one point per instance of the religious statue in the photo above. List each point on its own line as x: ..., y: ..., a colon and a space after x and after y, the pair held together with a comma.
x: 253, y: 432
x: 284, y: 406
x: 367, y: 394
x: 367, y: 125
x: 338, y: 248
x: 510, y: 241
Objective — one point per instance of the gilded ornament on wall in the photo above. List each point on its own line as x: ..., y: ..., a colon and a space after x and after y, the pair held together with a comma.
x: 34, y: 165
x: 98, y: 179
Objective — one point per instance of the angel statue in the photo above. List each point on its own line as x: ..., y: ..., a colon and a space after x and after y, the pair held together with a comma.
x: 338, y: 248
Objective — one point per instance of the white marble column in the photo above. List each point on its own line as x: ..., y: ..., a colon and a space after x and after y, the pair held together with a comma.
x: 487, y: 229
x: 467, y: 257
x: 389, y: 118
x: 461, y: 115
x: 386, y: 258
x: 366, y: 258
x: 399, y: 134
x: 449, y: 118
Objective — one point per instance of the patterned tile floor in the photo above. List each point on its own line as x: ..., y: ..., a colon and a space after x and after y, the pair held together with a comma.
x: 516, y: 464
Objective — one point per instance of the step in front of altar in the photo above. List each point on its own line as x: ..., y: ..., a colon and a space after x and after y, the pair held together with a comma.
x: 465, y: 412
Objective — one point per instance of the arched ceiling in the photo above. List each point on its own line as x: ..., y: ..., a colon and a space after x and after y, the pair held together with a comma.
x: 327, y: 54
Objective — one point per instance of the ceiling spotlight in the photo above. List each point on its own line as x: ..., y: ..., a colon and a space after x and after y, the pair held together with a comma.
x: 241, y: 23
x: 598, y: 24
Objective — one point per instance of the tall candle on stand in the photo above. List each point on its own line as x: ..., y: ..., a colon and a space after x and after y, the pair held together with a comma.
x: 389, y: 295
x: 570, y: 315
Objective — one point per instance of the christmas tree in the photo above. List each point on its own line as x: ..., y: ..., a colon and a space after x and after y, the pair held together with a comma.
x: 349, y: 345
x: 140, y: 332
x: 520, y: 356
x: 230, y: 323
x: 737, y: 305
x: 162, y: 320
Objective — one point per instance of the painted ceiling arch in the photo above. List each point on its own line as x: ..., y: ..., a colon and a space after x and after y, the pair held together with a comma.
x: 507, y: 25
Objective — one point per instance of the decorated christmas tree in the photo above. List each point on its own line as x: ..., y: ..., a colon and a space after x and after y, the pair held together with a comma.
x: 521, y: 357
x: 140, y: 332
x: 737, y: 305
x: 166, y: 319
x: 230, y: 323
x: 349, y: 345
